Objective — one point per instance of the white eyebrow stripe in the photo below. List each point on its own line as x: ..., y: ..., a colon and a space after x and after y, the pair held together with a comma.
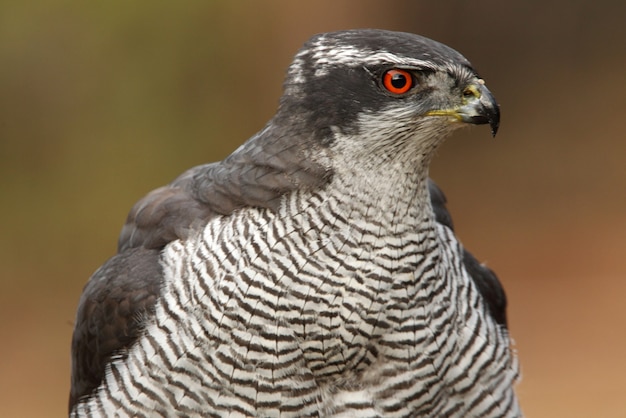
x: 323, y: 58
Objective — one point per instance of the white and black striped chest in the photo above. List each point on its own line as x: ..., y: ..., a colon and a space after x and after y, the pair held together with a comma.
x: 313, y: 301
x: 315, y: 309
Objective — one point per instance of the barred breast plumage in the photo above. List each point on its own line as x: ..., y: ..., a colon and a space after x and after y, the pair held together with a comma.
x: 320, y: 275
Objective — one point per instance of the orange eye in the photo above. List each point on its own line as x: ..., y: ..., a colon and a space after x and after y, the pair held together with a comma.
x: 398, y: 81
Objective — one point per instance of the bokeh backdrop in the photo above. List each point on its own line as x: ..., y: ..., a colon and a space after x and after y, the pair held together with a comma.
x: 101, y: 102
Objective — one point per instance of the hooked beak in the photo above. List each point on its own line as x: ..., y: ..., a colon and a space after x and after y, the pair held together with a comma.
x: 479, y: 107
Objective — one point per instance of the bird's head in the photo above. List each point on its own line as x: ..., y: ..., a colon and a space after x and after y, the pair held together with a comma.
x: 383, y: 89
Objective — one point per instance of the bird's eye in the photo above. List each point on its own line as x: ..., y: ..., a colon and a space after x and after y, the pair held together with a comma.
x: 397, y: 81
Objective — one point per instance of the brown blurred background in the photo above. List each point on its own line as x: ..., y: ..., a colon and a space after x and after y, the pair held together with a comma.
x: 102, y: 102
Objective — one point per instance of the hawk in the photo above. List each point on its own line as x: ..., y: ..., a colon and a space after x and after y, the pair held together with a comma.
x: 314, y: 271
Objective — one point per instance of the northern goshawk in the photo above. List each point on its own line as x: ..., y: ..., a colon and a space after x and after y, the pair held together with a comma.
x: 315, y: 271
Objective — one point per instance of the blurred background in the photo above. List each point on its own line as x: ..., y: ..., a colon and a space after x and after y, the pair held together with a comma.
x: 101, y: 102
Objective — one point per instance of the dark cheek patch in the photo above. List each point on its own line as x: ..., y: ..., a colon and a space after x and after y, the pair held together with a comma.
x: 337, y: 98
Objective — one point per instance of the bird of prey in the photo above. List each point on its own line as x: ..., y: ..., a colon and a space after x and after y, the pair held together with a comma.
x: 314, y: 271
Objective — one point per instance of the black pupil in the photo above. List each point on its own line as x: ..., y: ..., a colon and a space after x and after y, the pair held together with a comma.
x: 398, y: 80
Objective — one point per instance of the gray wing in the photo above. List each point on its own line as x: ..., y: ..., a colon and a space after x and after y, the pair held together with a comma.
x: 485, y: 279
x: 109, y: 316
x: 267, y: 166
x: 123, y: 292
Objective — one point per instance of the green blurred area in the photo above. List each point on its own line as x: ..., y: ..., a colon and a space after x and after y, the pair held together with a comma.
x: 102, y: 102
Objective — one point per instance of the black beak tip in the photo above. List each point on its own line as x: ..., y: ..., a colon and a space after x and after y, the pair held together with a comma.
x: 495, y: 124
x: 493, y: 116
x: 490, y: 109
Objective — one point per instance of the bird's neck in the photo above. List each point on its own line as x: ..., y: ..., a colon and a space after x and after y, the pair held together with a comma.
x: 390, y: 188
